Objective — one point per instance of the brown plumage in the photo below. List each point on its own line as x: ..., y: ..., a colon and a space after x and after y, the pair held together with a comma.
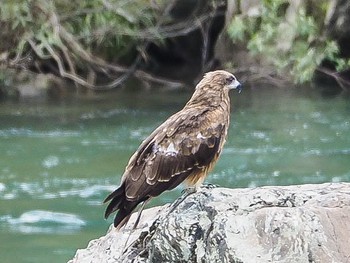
x: 185, y: 147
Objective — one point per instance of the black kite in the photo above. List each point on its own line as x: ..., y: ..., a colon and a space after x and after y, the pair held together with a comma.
x: 185, y: 147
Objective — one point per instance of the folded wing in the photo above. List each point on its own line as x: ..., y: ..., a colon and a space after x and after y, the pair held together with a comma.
x: 183, y: 148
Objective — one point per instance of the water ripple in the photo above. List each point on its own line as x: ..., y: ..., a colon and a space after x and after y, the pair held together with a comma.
x: 44, y: 190
x: 50, y: 161
x: 255, y: 150
x: 2, y: 187
x: 90, y: 191
x: 42, y: 221
x: 318, y: 152
x: 36, y: 134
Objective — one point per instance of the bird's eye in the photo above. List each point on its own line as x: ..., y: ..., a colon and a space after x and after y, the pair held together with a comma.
x: 230, y: 79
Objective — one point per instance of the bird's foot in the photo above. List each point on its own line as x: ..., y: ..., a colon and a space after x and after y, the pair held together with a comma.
x: 185, y: 193
x: 209, y: 186
x: 189, y: 190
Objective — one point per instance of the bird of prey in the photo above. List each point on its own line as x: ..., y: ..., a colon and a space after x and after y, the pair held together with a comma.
x: 184, y: 148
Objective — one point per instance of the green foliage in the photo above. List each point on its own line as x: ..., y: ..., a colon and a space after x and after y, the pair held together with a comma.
x: 108, y: 24
x: 288, y: 38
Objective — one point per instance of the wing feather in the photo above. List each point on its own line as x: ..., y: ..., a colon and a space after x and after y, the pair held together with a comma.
x: 179, y: 148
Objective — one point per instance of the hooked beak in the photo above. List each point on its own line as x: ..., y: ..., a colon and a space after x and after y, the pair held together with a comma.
x: 236, y: 85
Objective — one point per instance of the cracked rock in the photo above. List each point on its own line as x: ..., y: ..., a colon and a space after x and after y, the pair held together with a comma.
x: 304, y: 223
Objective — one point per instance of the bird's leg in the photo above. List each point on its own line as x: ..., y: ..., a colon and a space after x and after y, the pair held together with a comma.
x: 189, y: 190
x: 139, y: 213
x: 185, y: 193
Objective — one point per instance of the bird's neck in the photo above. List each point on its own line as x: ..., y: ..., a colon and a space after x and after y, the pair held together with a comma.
x: 214, y: 100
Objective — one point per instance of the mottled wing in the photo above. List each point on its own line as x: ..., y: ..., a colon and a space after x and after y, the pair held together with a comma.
x: 184, y: 147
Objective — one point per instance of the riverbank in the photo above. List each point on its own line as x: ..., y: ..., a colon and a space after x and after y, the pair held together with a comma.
x: 171, y: 44
x: 302, y: 223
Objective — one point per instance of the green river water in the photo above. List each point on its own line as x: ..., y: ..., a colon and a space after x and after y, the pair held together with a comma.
x: 59, y: 159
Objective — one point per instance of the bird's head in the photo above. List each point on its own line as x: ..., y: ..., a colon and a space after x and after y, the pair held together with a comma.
x: 214, y: 88
x: 220, y: 79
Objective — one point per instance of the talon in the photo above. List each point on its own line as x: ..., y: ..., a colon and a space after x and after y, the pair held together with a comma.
x: 185, y: 193
x: 189, y: 190
x: 210, y: 186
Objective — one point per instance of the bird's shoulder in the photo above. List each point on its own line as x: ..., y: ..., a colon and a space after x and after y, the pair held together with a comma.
x: 184, y: 129
x: 189, y: 136
x: 191, y: 119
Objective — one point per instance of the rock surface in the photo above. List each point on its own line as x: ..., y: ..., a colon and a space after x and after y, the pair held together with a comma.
x: 305, y: 223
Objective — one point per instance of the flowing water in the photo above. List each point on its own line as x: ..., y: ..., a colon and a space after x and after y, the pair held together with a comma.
x: 60, y: 159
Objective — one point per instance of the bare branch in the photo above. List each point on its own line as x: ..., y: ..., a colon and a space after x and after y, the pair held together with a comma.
x: 157, y: 32
x: 119, y: 10
x: 267, y: 75
x: 69, y: 53
x: 343, y: 83
x: 78, y: 79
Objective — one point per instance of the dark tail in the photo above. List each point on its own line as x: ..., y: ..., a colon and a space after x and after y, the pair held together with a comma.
x: 118, y: 202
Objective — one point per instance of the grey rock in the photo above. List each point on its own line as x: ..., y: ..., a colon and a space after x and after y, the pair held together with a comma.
x: 304, y: 223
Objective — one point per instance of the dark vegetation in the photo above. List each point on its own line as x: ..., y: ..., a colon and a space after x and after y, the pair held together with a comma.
x: 100, y: 45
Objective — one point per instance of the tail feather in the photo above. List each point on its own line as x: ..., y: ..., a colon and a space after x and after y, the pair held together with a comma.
x: 113, y: 206
x: 118, y: 202
x: 117, y: 198
x: 116, y: 194
x: 122, y: 217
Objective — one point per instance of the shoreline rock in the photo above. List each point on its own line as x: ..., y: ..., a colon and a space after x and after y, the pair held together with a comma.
x: 301, y: 223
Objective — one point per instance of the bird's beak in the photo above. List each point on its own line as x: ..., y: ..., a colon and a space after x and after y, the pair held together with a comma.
x: 236, y: 85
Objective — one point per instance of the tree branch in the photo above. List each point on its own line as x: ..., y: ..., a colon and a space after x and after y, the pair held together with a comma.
x: 343, y: 83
